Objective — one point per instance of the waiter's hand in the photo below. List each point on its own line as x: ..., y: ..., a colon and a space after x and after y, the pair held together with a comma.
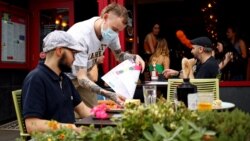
x: 139, y: 61
x: 120, y: 100
x: 115, y: 97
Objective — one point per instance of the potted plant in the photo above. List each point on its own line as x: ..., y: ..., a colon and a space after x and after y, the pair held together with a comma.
x: 164, y: 121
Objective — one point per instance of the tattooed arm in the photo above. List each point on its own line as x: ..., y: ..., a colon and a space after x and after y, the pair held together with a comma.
x: 85, y: 82
x: 121, y: 56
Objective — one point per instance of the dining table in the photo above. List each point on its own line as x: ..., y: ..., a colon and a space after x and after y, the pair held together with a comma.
x: 98, y: 123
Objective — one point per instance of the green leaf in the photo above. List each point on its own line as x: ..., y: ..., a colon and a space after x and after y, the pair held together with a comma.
x: 193, y: 126
x: 176, y: 133
x: 160, y: 130
x: 148, y: 135
x: 196, y: 136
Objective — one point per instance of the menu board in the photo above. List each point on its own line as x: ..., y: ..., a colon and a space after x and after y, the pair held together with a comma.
x: 13, y: 41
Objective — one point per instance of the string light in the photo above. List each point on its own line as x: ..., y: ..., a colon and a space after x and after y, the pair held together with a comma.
x: 209, y: 5
x: 57, y: 21
x: 210, y: 18
x: 64, y: 24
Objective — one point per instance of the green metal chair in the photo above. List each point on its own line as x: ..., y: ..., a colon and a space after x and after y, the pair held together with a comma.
x: 16, y: 95
x: 203, y: 85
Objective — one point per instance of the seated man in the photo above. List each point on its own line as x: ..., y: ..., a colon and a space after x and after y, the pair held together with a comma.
x: 47, y: 93
x: 207, y: 66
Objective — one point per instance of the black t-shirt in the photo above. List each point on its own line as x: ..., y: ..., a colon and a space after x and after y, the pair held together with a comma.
x: 46, y: 95
x: 209, y: 69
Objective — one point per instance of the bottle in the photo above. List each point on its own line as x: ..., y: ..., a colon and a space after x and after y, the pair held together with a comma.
x: 184, y: 89
x: 154, y: 73
x: 146, y: 74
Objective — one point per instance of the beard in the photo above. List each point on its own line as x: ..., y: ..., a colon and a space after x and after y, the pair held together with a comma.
x: 195, y: 56
x: 63, y: 66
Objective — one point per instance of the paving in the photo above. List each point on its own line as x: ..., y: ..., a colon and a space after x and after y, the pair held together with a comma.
x: 9, y: 131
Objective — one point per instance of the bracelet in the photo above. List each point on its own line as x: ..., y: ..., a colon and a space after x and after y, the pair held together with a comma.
x: 179, y: 72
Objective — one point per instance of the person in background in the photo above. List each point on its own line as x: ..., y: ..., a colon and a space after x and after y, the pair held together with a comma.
x: 94, y: 36
x: 206, y: 66
x: 239, y: 62
x: 224, y: 55
x: 160, y: 57
x: 47, y: 93
x: 150, y: 41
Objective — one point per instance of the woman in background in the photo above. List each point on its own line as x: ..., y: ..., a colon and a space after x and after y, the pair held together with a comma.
x: 224, y: 55
x: 150, y: 41
x: 239, y: 62
x: 160, y: 57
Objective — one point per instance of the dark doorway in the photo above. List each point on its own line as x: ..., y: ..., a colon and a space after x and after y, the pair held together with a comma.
x: 85, y: 9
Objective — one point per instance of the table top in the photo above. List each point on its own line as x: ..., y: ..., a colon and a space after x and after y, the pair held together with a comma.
x: 156, y: 83
x: 98, y: 123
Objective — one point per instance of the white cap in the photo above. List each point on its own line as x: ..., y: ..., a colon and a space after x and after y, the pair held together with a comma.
x: 59, y: 38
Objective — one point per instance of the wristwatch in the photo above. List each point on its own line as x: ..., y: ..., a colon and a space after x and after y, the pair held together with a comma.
x: 179, y: 72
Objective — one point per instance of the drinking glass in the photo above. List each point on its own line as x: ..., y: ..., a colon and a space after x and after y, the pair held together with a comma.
x: 149, y: 93
x: 205, y: 101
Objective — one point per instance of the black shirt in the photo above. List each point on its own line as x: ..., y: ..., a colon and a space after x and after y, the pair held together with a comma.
x: 46, y: 95
x: 209, y: 69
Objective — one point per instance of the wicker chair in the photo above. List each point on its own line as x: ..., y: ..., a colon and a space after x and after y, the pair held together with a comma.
x: 16, y: 95
x: 203, y: 85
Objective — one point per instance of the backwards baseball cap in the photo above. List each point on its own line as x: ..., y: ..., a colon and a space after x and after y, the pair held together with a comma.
x: 202, y: 41
x: 59, y: 38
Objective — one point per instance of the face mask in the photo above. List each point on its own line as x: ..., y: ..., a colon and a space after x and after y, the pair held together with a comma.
x: 63, y: 66
x: 108, y: 34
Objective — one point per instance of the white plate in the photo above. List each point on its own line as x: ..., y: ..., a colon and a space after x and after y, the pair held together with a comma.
x: 225, y: 105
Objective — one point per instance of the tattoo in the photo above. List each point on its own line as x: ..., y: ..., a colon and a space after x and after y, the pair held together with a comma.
x: 88, y: 84
x: 110, y: 95
x: 124, y: 56
x: 93, y: 87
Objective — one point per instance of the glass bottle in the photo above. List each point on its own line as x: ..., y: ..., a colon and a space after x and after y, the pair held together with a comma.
x: 154, y: 73
x: 184, y: 89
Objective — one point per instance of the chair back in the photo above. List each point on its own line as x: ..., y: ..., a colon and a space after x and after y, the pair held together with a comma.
x: 16, y: 95
x: 203, y: 85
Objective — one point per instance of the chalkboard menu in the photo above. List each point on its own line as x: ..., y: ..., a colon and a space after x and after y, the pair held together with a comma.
x: 13, y: 39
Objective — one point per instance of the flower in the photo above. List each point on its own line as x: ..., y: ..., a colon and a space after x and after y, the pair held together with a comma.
x: 53, y: 125
x: 61, y: 136
x: 99, y: 111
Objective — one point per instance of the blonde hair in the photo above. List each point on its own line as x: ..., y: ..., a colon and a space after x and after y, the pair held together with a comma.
x: 118, y: 10
x: 161, y: 49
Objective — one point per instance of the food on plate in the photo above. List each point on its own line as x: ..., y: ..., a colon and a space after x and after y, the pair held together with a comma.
x: 217, y: 103
x: 110, y: 104
x: 134, y: 101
